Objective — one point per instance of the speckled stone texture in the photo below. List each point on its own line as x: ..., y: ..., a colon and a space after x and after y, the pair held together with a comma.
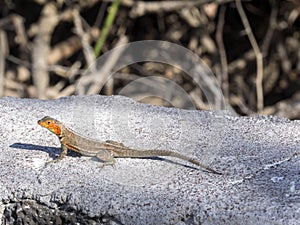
x: 259, y: 157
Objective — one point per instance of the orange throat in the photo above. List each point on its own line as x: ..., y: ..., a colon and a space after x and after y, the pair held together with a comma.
x: 54, y: 128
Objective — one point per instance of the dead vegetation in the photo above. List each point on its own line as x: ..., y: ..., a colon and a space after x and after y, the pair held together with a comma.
x: 252, y: 47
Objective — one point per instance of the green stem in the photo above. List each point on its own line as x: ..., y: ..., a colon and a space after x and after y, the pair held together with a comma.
x: 106, y: 28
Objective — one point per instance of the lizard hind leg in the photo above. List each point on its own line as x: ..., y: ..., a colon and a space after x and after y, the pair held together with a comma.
x: 106, y: 157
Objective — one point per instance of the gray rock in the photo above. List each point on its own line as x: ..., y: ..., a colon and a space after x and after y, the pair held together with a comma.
x: 258, y: 156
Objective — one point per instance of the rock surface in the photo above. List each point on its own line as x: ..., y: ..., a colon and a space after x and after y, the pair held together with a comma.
x: 258, y: 156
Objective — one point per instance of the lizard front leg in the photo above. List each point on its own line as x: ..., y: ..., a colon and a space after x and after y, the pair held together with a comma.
x: 62, y: 154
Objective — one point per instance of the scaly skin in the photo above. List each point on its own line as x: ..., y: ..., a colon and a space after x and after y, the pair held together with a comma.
x: 105, y: 151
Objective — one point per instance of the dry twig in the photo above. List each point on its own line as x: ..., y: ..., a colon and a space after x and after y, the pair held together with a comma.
x: 68, y: 47
x: 22, y: 39
x: 270, y: 31
x: 92, y: 83
x: 222, y: 52
x: 87, y: 49
x: 258, y: 54
x: 139, y: 8
x: 3, y: 53
x: 41, y: 47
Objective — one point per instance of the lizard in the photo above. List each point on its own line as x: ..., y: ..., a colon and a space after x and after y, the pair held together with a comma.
x: 105, y: 151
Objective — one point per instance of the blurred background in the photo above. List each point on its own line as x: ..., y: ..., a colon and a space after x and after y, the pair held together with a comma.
x: 252, y: 47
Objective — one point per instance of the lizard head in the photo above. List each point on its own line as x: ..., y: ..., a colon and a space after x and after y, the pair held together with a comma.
x: 51, y: 124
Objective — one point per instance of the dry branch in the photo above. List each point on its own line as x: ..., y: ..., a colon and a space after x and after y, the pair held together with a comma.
x: 3, y: 53
x: 41, y: 48
x: 87, y: 49
x: 21, y: 33
x: 269, y: 34
x: 93, y: 82
x: 258, y: 54
x: 68, y: 47
x: 222, y: 51
x: 140, y: 8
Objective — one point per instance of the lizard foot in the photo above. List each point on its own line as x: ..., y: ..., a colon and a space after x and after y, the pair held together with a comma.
x: 105, y: 164
x: 52, y: 161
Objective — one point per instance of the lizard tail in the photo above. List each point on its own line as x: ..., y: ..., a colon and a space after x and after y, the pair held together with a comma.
x: 151, y: 153
x: 194, y: 161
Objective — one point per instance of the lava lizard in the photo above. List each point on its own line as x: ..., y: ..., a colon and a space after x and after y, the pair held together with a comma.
x: 105, y: 151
